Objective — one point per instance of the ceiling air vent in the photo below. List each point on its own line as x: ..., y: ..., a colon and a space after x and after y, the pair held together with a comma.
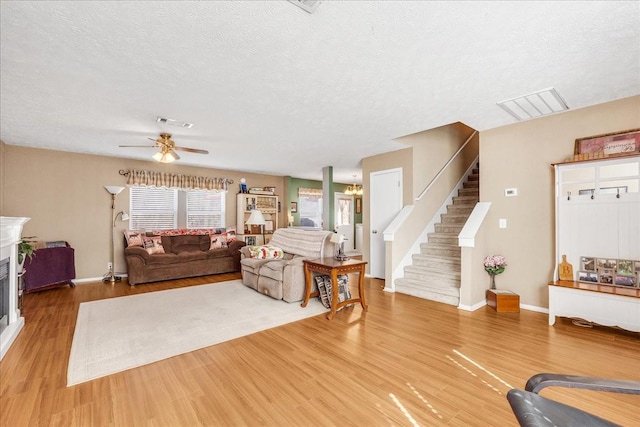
x: 533, y: 105
x: 307, y: 5
x: 174, y: 122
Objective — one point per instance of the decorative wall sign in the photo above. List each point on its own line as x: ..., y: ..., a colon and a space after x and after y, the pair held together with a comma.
x: 627, y: 142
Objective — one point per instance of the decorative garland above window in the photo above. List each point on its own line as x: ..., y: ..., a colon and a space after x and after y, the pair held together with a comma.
x: 310, y: 192
x: 175, y: 180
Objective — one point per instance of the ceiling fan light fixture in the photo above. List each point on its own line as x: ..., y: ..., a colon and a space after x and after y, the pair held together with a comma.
x: 165, y: 156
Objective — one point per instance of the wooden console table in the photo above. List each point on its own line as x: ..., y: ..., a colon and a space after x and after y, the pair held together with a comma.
x: 602, y: 304
x: 333, y: 267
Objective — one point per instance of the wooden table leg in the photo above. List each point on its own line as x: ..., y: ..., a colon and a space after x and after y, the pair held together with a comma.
x: 361, y: 289
x: 334, y: 294
x: 307, y: 286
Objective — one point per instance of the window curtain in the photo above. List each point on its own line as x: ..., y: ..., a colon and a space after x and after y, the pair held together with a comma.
x: 175, y: 180
x: 310, y: 192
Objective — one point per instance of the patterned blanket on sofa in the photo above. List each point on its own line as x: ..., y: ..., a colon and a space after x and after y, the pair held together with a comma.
x: 300, y: 242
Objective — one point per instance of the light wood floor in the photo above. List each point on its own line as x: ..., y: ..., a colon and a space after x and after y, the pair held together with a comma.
x: 405, y: 362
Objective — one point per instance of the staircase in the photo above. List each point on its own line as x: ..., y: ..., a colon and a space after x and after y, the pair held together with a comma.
x: 435, y: 271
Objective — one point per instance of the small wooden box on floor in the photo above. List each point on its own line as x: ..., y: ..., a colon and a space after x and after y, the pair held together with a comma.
x: 503, y: 301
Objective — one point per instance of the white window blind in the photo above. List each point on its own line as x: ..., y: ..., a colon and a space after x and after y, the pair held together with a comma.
x: 205, y: 209
x: 310, y: 208
x: 153, y: 208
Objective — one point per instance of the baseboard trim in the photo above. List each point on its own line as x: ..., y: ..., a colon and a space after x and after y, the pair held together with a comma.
x: 473, y: 307
x: 481, y: 304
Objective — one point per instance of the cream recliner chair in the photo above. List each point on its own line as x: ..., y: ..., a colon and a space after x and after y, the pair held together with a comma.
x: 284, y: 278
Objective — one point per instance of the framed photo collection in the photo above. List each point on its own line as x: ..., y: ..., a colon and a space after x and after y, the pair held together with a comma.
x: 609, y: 271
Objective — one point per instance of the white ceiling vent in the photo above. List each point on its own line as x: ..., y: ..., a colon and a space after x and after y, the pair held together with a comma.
x: 174, y: 122
x: 536, y: 104
x: 307, y: 5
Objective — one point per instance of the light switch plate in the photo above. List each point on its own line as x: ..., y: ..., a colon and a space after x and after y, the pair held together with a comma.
x: 502, y: 223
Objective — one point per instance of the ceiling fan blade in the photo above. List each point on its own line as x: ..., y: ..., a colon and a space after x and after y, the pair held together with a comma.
x: 191, y: 150
x: 143, y: 146
x: 174, y: 154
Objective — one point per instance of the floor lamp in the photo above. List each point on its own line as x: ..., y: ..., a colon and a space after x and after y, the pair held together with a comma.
x: 256, y: 218
x: 114, y: 191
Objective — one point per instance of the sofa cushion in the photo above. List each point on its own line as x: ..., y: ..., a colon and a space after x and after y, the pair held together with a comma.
x: 217, y: 241
x: 252, y: 264
x: 163, y: 259
x: 188, y: 243
x: 153, y: 245
x: 273, y: 269
x: 217, y: 253
x: 134, y: 237
x: 192, y: 255
x: 231, y: 234
x: 265, y: 252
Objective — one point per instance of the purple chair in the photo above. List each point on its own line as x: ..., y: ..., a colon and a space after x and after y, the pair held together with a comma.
x: 49, y: 268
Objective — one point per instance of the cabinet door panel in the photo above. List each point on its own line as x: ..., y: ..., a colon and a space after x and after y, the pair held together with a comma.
x: 629, y: 232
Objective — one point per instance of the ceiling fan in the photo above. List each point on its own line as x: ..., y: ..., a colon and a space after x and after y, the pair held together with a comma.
x: 167, y: 147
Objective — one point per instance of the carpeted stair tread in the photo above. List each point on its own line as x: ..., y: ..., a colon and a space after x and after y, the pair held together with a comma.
x: 460, y: 209
x: 453, y: 227
x: 449, y: 218
x: 441, y: 250
x: 420, y: 291
x: 443, y: 238
x: 465, y: 200
x: 436, y: 286
x: 435, y: 260
x: 450, y: 277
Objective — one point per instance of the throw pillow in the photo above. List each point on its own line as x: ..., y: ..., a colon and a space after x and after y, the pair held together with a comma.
x: 218, y: 241
x: 231, y: 234
x: 322, y: 290
x: 265, y: 252
x: 153, y: 245
x: 134, y: 237
x: 325, y: 290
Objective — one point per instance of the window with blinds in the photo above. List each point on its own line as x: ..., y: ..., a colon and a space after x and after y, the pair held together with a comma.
x: 310, y: 208
x: 153, y: 208
x: 205, y: 209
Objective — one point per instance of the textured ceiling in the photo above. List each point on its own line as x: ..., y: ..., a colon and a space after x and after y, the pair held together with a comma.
x: 273, y: 89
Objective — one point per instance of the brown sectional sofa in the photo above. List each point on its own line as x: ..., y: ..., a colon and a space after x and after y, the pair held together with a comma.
x: 184, y: 256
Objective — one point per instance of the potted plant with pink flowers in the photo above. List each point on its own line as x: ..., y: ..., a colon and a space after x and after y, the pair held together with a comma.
x: 494, y: 265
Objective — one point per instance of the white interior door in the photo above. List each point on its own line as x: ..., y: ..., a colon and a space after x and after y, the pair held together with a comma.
x: 386, y: 202
x: 343, y: 219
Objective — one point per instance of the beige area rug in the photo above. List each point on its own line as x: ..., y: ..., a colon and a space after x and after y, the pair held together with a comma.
x: 117, y: 334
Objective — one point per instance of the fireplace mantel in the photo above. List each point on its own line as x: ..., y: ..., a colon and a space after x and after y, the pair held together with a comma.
x: 10, y: 235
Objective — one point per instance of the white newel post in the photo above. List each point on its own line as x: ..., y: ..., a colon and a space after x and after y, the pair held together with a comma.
x: 10, y: 235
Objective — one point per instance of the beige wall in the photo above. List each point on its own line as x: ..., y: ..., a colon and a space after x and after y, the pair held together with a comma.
x: 520, y: 156
x: 432, y: 149
x: 63, y: 195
